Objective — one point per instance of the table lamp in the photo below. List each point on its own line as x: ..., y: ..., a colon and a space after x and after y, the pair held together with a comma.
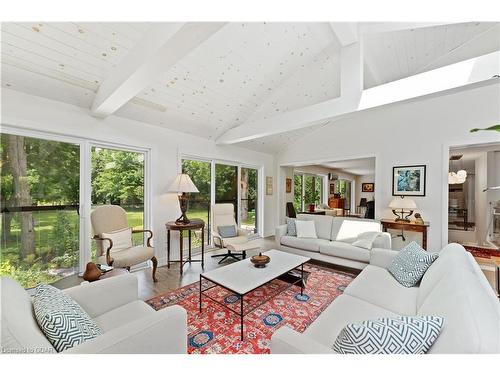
x: 183, y: 185
x: 402, y: 207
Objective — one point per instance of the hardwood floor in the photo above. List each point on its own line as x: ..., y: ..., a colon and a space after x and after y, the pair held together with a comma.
x: 170, y: 278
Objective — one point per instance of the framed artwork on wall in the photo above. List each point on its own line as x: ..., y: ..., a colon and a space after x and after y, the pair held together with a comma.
x: 332, y: 189
x: 408, y: 180
x: 288, y: 185
x: 368, y: 187
x: 269, y: 185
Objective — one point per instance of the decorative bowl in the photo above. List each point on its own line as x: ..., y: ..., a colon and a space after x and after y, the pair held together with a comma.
x: 260, y: 260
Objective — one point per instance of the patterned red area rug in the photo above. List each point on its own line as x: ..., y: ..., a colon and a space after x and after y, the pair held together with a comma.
x: 217, y: 330
x: 482, y: 252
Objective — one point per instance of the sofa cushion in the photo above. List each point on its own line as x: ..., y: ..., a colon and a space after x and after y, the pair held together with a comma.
x: 377, y: 286
x: 20, y: 331
x: 305, y: 229
x: 471, y: 312
x: 123, y: 315
x: 322, y: 223
x: 310, y: 244
x: 291, y: 229
x: 347, y: 227
x: 345, y: 250
x: 343, y: 310
x: 402, y: 335
x: 62, y: 320
x: 410, y: 264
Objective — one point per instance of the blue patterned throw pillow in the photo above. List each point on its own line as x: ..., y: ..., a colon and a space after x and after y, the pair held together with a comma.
x: 410, y: 265
x: 62, y: 320
x: 403, y: 335
x: 291, y: 229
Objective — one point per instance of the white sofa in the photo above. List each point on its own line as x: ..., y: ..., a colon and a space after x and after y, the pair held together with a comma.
x: 454, y: 287
x: 335, y: 235
x: 129, y: 324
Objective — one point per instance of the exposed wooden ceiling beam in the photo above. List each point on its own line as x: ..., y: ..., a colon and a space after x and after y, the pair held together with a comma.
x: 159, y: 49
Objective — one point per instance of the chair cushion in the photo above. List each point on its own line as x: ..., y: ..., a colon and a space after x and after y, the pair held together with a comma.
x: 122, y: 239
x: 227, y: 231
x: 62, y: 320
x: 403, y: 335
x: 343, y: 310
x: 310, y: 244
x: 345, y: 250
x: 410, y: 264
x: 129, y: 257
x: 123, y: 315
x: 377, y: 286
x: 305, y: 229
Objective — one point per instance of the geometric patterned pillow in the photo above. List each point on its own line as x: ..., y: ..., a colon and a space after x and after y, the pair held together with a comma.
x: 410, y: 264
x: 291, y: 228
x: 62, y: 320
x: 403, y: 335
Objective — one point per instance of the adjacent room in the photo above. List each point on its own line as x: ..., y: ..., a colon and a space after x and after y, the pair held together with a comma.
x: 248, y: 187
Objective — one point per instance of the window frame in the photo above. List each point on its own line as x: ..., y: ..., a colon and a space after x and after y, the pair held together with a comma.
x: 85, y: 203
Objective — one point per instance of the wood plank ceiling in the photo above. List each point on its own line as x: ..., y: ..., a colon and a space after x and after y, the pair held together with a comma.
x: 246, y: 71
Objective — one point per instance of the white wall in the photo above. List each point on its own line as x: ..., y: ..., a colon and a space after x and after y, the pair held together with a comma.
x: 415, y: 132
x: 36, y: 113
x: 368, y: 178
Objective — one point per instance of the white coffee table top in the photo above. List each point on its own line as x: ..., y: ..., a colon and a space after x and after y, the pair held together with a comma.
x: 242, y: 277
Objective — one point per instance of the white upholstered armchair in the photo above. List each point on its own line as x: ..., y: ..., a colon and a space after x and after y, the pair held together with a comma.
x: 113, y: 238
x: 223, y: 216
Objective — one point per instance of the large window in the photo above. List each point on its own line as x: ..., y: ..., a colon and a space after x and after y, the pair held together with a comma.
x: 199, y: 203
x: 118, y: 179
x: 49, y: 184
x: 40, y: 197
x: 248, y: 198
x: 308, y: 189
x: 223, y: 183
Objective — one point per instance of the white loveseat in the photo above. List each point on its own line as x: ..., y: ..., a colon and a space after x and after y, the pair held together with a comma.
x: 129, y: 324
x: 333, y: 245
x: 453, y: 287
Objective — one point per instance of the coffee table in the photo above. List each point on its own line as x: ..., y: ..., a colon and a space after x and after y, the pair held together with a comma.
x: 243, y: 277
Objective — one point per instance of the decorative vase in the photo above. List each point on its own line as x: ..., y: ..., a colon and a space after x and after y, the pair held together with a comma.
x: 312, y: 207
x: 92, y: 273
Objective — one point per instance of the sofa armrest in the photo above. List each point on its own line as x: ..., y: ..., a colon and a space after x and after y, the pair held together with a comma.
x: 383, y: 241
x: 105, y: 295
x: 164, y: 332
x: 280, y: 232
x: 382, y: 257
x: 287, y: 341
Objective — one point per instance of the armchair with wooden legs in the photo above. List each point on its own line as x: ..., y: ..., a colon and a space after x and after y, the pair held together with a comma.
x: 113, y: 238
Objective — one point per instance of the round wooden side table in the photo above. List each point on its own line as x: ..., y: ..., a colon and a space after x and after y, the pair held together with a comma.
x: 194, y: 224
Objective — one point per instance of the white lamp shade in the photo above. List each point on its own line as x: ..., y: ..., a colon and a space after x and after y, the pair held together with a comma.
x: 403, y: 203
x: 183, y: 184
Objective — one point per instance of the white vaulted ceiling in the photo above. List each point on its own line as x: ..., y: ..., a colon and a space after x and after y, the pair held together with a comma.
x: 244, y: 72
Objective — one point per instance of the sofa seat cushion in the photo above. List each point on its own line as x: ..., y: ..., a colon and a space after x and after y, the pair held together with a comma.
x: 309, y: 244
x: 343, y: 310
x: 377, y: 286
x: 129, y: 257
x: 123, y: 315
x: 345, y: 250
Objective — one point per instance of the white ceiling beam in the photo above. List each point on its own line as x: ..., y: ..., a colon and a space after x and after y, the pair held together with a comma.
x: 160, y: 48
x: 455, y: 76
x: 345, y: 32
x: 385, y: 27
x: 351, y: 86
